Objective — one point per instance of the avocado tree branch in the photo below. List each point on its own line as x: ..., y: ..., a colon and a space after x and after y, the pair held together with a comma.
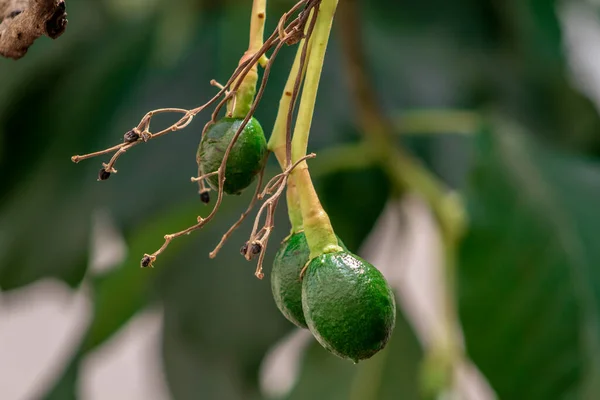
x: 23, y: 21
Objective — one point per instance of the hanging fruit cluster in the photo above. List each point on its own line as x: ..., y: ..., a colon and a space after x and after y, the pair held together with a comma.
x: 316, y: 282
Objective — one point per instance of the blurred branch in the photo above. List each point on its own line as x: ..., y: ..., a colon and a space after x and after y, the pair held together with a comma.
x: 343, y: 157
x: 404, y: 170
x: 23, y: 21
x: 432, y: 121
x: 407, y: 174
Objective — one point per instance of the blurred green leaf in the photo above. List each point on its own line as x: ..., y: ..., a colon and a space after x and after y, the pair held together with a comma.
x: 219, y: 319
x: 45, y: 218
x: 65, y: 387
x: 529, y: 282
x: 353, y: 199
x: 390, y: 374
x: 119, y: 294
x: 124, y: 291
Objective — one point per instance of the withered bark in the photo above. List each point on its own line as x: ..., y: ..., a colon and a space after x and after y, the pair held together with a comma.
x: 23, y: 21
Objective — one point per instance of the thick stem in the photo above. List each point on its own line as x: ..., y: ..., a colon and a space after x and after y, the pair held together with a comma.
x: 257, y: 25
x: 293, y: 204
x: 317, y: 226
x: 318, y: 47
x: 278, y: 140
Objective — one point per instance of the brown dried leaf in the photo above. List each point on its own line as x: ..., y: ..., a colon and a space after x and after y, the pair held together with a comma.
x: 23, y: 21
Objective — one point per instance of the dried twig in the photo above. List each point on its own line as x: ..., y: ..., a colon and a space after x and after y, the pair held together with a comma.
x: 290, y: 36
x: 259, y: 238
x: 238, y: 223
x: 287, y: 32
x: 143, y: 128
x: 23, y: 21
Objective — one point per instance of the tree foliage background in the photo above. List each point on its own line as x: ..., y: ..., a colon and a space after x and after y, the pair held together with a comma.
x: 528, y: 270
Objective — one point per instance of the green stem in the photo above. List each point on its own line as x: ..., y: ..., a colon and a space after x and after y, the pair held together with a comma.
x: 247, y: 90
x: 318, y: 47
x: 257, y: 25
x: 317, y: 226
x: 278, y: 140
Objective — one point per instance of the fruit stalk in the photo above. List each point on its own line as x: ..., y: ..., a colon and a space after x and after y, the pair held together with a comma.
x: 317, y: 226
x: 318, y: 47
x: 240, y: 105
x: 278, y: 140
x: 257, y: 25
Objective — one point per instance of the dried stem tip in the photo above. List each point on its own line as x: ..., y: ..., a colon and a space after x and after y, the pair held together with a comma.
x: 205, y: 196
x: 146, y: 261
x: 103, y: 174
x: 256, y: 248
x: 131, y: 136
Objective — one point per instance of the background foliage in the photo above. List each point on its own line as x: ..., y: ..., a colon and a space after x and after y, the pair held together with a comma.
x: 529, y: 283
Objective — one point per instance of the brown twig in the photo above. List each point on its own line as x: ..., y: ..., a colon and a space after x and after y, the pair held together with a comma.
x: 291, y: 32
x: 258, y: 195
x: 241, y: 71
x: 205, y: 176
x: 23, y: 21
x: 260, y: 237
x: 239, y: 222
x: 276, y: 180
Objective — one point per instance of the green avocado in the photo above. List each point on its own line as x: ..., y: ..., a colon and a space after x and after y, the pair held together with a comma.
x: 286, y: 285
x: 348, y: 305
x: 246, y: 159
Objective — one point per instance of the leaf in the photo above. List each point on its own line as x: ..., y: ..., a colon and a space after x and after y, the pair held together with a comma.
x: 529, y: 282
x: 393, y: 373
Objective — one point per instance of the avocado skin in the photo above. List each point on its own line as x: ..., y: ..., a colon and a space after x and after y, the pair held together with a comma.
x: 286, y: 284
x: 348, y: 305
x: 246, y: 159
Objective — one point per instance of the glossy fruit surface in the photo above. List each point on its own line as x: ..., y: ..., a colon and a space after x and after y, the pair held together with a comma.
x: 246, y: 159
x: 286, y: 285
x: 348, y: 305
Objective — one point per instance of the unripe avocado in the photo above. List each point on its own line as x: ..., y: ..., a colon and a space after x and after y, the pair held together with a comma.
x: 348, y: 305
x: 286, y: 284
x: 246, y: 159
